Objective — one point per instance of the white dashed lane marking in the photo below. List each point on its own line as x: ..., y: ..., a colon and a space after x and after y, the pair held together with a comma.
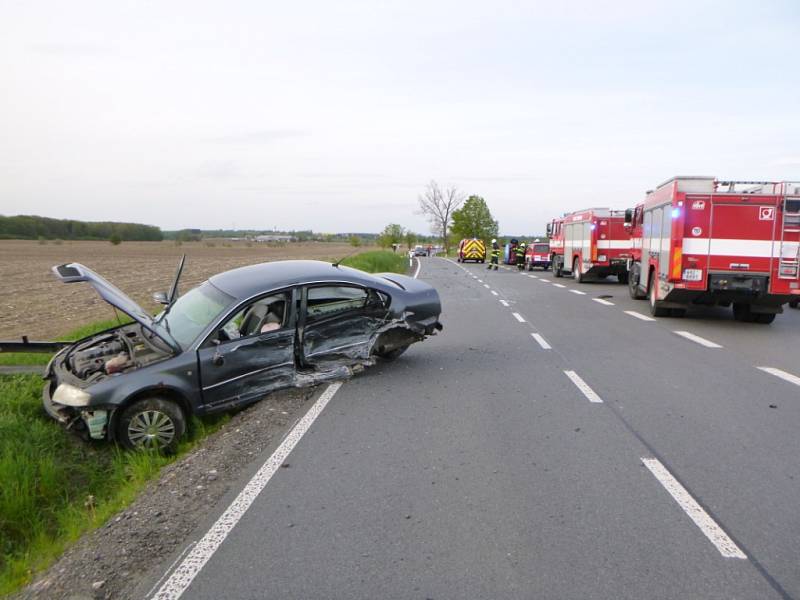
x: 559, y: 285
x: 583, y: 387
x: 726, y: 546
x: 180, y: 579
x: 782, y: 374
x: 633, y: 313
x: 603, y: 302
x: 504, y: 303
x: 541, y: 341
x: 519, y: 317
x: 533, y: 276
x: 698, y: 340
x: 580, y: 293
x: 544, y: 281
x: 486, y: 285
x: 494, y: 293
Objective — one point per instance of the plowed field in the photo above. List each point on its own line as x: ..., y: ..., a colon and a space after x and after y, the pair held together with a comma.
x: 34, y: 303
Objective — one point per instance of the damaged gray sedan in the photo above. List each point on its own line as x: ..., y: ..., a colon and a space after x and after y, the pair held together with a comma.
x: 229, y: 342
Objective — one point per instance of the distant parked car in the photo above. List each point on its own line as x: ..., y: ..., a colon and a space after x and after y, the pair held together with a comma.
x: 228, y: 342
x: 537, y: 254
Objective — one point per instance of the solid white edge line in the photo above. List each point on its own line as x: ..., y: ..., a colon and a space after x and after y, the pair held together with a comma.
x: 782, y: 374
x: 580, y: 293
x: 559, y: 285
x: 504, y: 303
x: 697, y: 339
x: 541, y: 341
x: 603, y: 302
x: 494, y: 293
x: 181, y: 578
x: 638, y: 315
x: 590, y: 394
x: 519, y: 317
x: 716, y: 535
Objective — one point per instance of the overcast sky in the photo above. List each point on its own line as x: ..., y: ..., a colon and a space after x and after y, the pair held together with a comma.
x: 333, y: 116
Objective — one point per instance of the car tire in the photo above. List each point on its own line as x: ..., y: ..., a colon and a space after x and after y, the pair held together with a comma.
x: 392, y: 354
x: 765, y: 318
x: 655, y: 305
x: 577, y: 270
x: 742, y: 312
x: 633, y: 289
x: 151, y: 423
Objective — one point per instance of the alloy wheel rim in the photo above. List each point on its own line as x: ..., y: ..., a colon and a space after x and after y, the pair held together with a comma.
x: 151, y: 429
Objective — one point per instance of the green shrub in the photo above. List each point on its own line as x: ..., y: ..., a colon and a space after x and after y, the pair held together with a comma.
x: 115, y: 239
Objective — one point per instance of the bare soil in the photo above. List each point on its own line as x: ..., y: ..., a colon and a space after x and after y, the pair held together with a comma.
x: 34, y: 303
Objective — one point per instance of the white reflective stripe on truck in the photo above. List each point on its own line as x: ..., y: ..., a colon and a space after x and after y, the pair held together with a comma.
x: 729, y: 247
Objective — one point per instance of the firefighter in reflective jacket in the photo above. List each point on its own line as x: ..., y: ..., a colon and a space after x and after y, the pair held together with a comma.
x: 520, y: 251
x: 495, y: 255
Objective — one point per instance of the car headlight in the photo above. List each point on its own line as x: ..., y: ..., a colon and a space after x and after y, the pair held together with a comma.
x: 69, y: 395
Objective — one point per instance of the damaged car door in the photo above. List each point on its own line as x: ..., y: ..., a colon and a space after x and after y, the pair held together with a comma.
x: 251, y: 354
x: 339, y: 322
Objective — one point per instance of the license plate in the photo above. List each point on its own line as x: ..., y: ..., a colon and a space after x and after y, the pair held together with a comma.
x: 692, y: 274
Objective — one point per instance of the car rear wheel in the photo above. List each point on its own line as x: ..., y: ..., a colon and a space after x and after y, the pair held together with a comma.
x: 633, y: 288
x: 577, y: 270
x: 152, y: 423
x: 655, y: 305
x: 392, y: 354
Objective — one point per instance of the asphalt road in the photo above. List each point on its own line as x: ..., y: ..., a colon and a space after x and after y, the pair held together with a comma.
x: 475, y: 466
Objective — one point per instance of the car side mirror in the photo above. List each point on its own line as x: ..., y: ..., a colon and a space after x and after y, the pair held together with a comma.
x: 628, y: 216
x: 161, y: 298
x: 549, y: 229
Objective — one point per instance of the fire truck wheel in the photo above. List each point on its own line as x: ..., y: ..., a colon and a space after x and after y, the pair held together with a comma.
x: 577, y: 270
x: 633, y: 289
x: 557, y: 271
x: 655, y: 305
x: 622, y: 277
x: 678, y: 312
x: 765, y: 318
x: 794, y: 303
x: 742, y: 312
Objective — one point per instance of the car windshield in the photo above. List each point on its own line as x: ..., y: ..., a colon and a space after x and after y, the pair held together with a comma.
x: 193, y: 312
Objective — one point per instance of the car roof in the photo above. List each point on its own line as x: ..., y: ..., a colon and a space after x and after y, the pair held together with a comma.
x: 248, y: 281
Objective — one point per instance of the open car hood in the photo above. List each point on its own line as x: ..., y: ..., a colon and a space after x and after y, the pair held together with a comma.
x: 75, y: 272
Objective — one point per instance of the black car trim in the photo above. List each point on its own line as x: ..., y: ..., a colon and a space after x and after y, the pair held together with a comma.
x: 262, y: 370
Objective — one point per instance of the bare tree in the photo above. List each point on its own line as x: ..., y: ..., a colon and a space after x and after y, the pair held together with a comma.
x: 438, y: 206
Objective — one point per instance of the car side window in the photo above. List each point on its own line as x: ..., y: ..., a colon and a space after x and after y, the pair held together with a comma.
x: 262, y: 316
x: 325, y: 301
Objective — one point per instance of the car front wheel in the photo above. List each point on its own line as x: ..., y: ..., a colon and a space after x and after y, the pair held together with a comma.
x: 152, y: 423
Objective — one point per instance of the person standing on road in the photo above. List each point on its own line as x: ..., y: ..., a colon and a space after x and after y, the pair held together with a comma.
x: 520, y: 251
x: 495, y: 255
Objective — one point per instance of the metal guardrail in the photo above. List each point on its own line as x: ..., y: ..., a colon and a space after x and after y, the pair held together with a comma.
x: 25, y: 345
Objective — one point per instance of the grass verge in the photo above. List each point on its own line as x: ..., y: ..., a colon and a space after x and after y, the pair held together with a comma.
x: 378, y: 261
x: 55, y: 486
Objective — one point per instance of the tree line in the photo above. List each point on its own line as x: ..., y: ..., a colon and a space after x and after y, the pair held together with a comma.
x: 33, y: 227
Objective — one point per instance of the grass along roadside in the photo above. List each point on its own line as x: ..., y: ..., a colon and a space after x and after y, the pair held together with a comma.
x: 379, y: 261
x: 56, y: 487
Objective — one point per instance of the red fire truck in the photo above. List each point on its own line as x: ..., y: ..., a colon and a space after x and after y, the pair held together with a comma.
x: 702, y: 241
x: 592, y: 242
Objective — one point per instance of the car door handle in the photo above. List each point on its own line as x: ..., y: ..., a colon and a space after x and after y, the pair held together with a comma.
x: 217, y: 360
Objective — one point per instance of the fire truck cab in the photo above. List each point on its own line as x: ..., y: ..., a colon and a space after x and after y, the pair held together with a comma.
x: 697, y: 240
x: 590, y: 243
